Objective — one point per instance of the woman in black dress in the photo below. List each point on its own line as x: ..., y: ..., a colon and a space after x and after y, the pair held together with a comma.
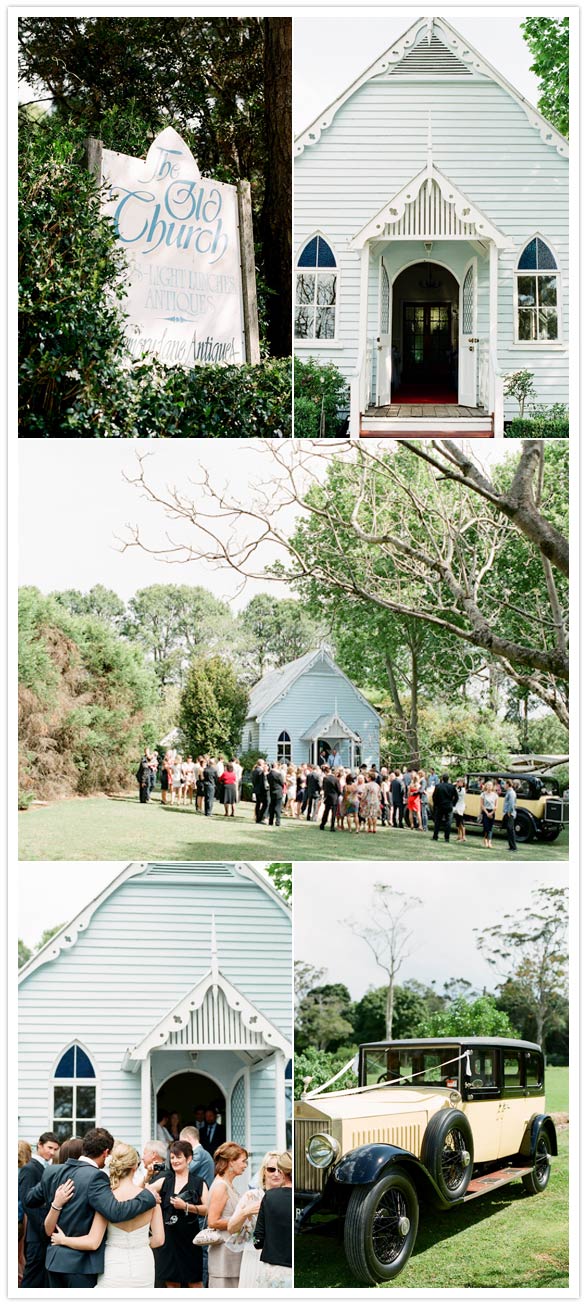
x: 184, y: 1198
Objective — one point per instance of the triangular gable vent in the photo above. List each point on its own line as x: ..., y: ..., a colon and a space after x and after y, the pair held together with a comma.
x: 430, y: 58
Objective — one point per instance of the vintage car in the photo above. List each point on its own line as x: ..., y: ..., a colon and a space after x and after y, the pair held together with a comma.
x: 541, y: 811
x: 444, y: 1120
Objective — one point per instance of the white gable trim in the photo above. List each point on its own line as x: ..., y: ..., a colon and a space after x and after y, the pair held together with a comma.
x: 68, y: 935
x: 466, y: 215
x: 320, y: 653
x: 459, y: 47
x: 236, y: 1023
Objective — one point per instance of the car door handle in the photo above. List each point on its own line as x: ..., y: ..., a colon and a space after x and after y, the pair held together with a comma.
x: 474, y: 340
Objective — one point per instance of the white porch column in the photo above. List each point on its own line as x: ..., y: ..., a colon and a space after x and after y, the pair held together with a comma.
x: 495, y: 384
x: 280, y: 1101
x: 358, y: 390
x: 146, y: 1120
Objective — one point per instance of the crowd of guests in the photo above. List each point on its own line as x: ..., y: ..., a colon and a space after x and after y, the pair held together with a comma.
x: 358, y: 800
x: 94, y: 1213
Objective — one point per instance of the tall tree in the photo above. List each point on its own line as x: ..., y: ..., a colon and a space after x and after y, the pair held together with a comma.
x: 176, y: 623
x: 548, y: 40
x: 528, y: 950
x: 423, y: 532
x: 276, y: 233
x: 388, y: 936
x: 323, y: 1018
x: 213, y: 708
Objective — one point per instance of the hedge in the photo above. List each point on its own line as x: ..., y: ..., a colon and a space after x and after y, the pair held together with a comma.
x: 537, y: 428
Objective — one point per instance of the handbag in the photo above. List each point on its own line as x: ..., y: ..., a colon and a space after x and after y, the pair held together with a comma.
x: 208, y: 1236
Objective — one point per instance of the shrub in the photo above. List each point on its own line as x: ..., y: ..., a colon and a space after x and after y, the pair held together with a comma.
x: 520, y: 385
x: 322, y: 1066
x: 321, y: 396
x: 537, y: 427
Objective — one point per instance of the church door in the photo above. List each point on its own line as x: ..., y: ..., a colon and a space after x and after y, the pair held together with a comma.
x: 427, y: 345
x: 468, y: 338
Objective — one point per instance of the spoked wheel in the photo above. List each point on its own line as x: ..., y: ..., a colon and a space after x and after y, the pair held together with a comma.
x: 380, y: 1227
x: 447, y: 1152
x: 538, y: 1180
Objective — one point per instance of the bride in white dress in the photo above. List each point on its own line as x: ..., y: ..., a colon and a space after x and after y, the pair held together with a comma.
x: 128, y: 1256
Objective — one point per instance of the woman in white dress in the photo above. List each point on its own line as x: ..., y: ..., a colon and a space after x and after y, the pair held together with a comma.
x: 128, y: 1256
x: 230, y: 1161
x: 242, y: 1223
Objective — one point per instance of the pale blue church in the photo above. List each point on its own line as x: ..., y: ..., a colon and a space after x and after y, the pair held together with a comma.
x: 307, y: 707
x: 172, y: 988
x: 432, y: 241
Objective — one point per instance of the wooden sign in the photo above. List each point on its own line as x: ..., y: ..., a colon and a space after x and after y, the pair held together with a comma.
x: 182, y: 235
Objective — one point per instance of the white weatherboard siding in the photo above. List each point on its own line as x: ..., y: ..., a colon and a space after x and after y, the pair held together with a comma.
x: 479, y: 136
x: 145, y: 947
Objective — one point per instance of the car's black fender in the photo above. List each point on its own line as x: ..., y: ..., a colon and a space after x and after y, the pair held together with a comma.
x: 366, y: 1164
x: 533, y: 1128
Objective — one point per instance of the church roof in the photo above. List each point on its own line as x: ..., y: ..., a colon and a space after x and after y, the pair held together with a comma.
x: 278, y: 682
x: 175, y: 876
x: 327, y: 726
x: 431, y: 49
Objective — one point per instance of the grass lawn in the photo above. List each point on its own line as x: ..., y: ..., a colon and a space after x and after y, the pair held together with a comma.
x: 119, y: 828
x: 505, y: 1240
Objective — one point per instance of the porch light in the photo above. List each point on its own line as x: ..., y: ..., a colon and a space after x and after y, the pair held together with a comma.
x: 428, y: 248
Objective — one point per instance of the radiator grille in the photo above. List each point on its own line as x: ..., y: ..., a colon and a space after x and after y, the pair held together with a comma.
x: 306, y: 1177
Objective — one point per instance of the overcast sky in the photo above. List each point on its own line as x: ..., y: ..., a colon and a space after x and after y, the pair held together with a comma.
x: 329, y: 53
x: 70, y: 535
x: 456, y: 901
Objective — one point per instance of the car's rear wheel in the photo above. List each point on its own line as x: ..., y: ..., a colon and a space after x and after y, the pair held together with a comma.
x: 447, y: 1152
x: 549, y: 834
x: 524, y: 827
x: 380, y: 1227
x: 537, y: 1181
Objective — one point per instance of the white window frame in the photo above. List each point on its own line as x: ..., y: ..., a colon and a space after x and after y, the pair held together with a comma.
x: 557, y: 341
x: 73, y: 1083
x: 283, y: 755
x: 327, y: 342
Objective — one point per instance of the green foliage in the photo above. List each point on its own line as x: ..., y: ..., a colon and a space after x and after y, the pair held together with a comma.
x: 174, y: 623
x: 537, y: 427
x: 213, y: 708
x: 275, y: 631
x: 25, y: 953
x: 529, y: 950
x: 321, y: 394
x: 324, y: 1018
x: 548, y: 40
x: 87, y: 701
x: 520, y: 385
x: 412, y: 1004
x: 480, y: 1017
x: 320, y: 1066
x: 280, y: 873
x: 463, y: 735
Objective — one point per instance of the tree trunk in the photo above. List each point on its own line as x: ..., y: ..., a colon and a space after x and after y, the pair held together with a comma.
x: 276, y: 214
x: 414, y: 743
x: 409, y: 727
x: 389, y: 1011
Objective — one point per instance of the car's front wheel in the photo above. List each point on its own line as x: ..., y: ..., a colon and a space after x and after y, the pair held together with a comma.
x: 537, y: 1181
x: 380, y: 1227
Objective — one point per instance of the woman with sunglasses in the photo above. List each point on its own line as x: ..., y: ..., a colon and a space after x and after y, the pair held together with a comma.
x: 241, y: 1225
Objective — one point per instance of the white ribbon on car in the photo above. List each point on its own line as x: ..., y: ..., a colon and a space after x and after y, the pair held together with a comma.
x: 387, y: 1083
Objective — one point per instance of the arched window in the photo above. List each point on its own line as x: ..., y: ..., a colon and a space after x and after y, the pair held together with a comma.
x: 74, y: 1094
x: 284, y: 747
x: 384, y: 306
x: 316, y: 288
x: 537, y: 293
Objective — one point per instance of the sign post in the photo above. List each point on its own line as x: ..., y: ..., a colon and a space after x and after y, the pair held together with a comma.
x: 191, y: 296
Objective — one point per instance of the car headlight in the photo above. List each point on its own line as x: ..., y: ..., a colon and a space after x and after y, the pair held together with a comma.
x: 322, y: 1150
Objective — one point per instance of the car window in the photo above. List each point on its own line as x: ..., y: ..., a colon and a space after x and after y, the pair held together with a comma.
x: 483, y: 1066
x: 524, y: 789
x: 534, y: 1075
x: 418, y: 1066
x: 513, y: 1069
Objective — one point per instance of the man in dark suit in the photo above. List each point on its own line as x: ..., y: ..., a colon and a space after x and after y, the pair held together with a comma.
x: 209, y: 779
x: 331, y: 790
x: 213, y: 1134
x: 35, y: 1243
x: 67, y: 1268
x: 275, y: 781
x: 260, y: 791
x: 444, y: 799
x: 398, y: 797
x: 313, y: 787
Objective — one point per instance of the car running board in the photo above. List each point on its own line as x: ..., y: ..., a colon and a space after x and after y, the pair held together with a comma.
x: 487, y: 1182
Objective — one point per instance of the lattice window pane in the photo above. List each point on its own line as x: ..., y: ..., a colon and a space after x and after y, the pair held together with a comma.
x: 238, y: 1118
x: 384, y: 324
x: 468, y: 302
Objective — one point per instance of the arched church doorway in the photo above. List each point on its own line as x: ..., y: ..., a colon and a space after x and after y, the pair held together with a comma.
x: 425, y: 335
x: 188, y: 1090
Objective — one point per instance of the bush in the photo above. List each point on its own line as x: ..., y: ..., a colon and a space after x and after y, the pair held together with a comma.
x: 537, y: 427
x: 319, y: 389
x: 321, y: 1066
